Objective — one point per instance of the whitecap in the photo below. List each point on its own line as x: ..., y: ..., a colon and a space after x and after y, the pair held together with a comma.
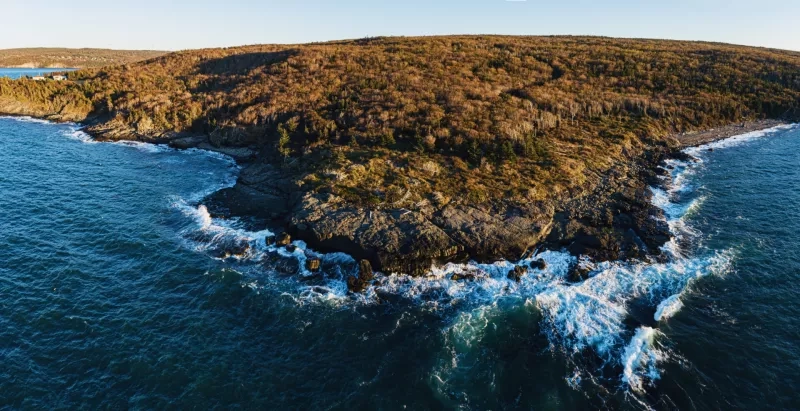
x: 668, y: 308
x: 640, y: 359
x: 26, y: 119
x: 76, y: 133
x: 145, y: 147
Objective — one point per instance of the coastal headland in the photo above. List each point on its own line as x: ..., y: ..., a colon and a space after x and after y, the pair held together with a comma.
x: 405, y: 152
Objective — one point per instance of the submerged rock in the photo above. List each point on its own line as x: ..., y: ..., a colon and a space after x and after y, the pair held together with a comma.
x: 270, y: 240
x: 578, y: 273
x: 459, y: 277
x: 288, y: 266
x: 517, y: 273
x: 237, y: 249
x: 291, y: 248
x: 539, y: 264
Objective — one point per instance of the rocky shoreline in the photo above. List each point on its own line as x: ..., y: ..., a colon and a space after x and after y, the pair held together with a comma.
x: 613, y: 219
x: 720, y: 133
x: 610, y: 218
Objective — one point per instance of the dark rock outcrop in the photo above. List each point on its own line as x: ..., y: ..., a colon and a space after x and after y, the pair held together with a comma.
x: 365, y: 275
x: 539, y: 264
x: 406, y: 241
x: 578, y: 273
x: 460, y: 277
x: 612, y: 218
x: 313, y: 264
x: 283, y: 240
x: 517, y: 273
x: 616, y: 219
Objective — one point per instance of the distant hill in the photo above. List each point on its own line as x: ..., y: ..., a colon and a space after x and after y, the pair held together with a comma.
x: 71, y: 58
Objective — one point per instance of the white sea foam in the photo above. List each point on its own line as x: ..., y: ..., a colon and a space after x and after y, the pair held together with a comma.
x: 145, y: 147
x: 738, y: 140
x: 640, y: 359
x: 25, y: 119
x: 75, y: 133
x: 668, y: 308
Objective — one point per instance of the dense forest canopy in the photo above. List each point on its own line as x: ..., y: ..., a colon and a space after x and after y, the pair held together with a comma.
x: 482, y: 110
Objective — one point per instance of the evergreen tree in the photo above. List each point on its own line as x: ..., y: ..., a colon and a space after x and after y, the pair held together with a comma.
x: 283, y: 142
x: 474, y: 153
x: 506, y: 153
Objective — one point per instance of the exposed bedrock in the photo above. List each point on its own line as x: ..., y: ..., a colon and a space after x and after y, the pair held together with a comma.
x: 409, y: 242
x: 611, y: 219
x: 616, y: 219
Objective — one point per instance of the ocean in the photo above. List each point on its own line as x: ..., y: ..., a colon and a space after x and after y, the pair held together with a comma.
x: 15, y: 73
x: 118, y: 290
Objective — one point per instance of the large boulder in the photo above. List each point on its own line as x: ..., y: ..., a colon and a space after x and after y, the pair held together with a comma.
x: 360, y: 282
x: 365, y: 271
x: 517, y: 273
x: 539, y: 264
x: 313, y: 264
x: 283, y: 240
x: 578, y: 273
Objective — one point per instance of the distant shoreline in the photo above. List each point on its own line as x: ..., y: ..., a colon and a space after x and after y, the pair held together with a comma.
x: 697, y: 138
x: 27, y: 67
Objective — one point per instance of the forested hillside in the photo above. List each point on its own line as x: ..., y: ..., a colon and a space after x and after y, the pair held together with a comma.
x: 398, y: 122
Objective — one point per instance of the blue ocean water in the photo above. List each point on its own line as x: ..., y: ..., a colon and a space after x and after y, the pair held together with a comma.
x: 15, y: 73
x: 118, y: 290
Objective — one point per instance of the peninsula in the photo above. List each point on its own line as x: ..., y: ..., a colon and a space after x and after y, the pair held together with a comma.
x: 409, y: 151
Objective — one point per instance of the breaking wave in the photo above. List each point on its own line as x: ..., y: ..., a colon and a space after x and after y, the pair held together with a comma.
x: 737, y: 140
x: 25, y: 119
x: 640, y: 359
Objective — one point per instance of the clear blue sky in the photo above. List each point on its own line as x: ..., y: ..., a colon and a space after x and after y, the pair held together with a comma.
x: 183, y: 24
